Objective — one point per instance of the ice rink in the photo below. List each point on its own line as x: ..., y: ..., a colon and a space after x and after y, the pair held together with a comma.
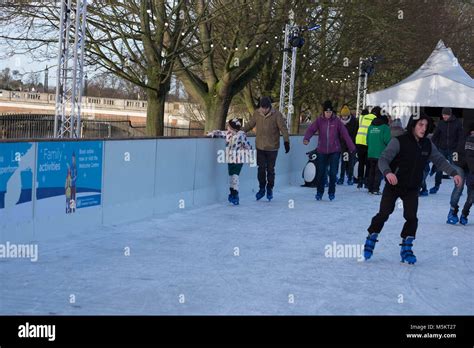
x: 256, y: 258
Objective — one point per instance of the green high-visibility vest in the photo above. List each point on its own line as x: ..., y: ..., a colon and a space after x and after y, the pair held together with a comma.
x: 364, y: 122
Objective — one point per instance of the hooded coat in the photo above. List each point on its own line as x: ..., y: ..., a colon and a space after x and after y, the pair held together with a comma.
x: 330, y: 131
x: 406, y: 157
x: 378, y: 137
x: 396, y: 128
x: 448, y: 134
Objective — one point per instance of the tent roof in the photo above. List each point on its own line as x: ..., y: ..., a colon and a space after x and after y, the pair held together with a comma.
x: 440, y: 81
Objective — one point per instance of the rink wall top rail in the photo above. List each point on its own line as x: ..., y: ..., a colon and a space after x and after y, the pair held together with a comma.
x: 39, y: 140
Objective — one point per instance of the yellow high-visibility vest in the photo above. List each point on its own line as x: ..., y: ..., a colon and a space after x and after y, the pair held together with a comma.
x: 364, y: 122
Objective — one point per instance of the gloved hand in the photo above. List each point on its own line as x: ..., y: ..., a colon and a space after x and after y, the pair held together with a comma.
x: 287, y: 147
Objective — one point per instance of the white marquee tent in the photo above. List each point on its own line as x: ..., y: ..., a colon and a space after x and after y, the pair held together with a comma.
x: 439, y: 82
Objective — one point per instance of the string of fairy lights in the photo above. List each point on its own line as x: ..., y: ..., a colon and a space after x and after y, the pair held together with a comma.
x: 339, y: 80
x: 331, y: 80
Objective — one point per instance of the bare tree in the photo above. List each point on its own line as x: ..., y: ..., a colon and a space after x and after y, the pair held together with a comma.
x: 232, y: 43
x: 137, y: 40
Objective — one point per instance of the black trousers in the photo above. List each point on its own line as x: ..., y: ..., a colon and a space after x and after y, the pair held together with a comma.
x: 266, y: 168
x: 375, y: 176
x: 362, y: 156
x: 387, y: 206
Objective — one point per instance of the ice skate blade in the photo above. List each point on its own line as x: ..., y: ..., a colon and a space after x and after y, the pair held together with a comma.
x: 407, y: 263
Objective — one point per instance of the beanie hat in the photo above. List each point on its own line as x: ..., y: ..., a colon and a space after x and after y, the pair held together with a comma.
x: 396, y: 123
x: 345, y: 111
x: 235, y: 123
x: 365, y: 112
x: 265, y: 102
x: 327, y: 106
x: 376, y: 111
x: 447, y: 111
x: 384, y: 119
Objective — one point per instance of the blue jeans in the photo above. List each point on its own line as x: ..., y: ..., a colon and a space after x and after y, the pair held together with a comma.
x: 325, y: 160
x: 457, y: 191
x: 469, y: 201
x: 439, y: 174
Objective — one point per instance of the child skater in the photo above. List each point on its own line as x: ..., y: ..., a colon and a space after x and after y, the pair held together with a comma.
x: 238, y: 149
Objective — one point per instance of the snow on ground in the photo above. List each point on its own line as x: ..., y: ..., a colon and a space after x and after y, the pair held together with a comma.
x: 186, y: 263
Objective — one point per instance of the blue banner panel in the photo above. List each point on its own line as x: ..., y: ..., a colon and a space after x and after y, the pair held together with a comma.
x: 16, y: 173
x: 69, y: 174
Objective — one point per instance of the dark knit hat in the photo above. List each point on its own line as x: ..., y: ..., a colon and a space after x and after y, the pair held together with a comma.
x: 447, y: 111
x: 415, y: 119
x: 265, y: 102
x: 384, y: 118
x: 376, y: 110
x: 327, y: 106
x: 236, y: 124
x: 364, y: 112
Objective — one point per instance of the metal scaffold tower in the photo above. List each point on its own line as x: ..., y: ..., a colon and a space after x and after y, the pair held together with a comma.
x: 361, y: 88
x: 288, y: 74
x: 366, y: 69
x: 67, y: 122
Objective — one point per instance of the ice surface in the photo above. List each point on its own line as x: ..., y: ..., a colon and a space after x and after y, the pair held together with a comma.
x: 187, y: 263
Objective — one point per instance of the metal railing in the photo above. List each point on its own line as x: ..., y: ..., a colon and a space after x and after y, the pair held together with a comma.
x: 31, y: 126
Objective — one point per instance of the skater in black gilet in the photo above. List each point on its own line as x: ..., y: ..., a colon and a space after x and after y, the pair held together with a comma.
x: 402, y: 164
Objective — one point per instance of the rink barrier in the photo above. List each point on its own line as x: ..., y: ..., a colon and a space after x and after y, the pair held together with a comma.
x: 139, y: 179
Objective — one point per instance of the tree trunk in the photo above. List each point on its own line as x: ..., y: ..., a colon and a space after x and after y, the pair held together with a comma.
x: 217, y: 108
x: 155, y: 112
x: 248, y: 99
x: 217, y: 103
x: 295, y: 122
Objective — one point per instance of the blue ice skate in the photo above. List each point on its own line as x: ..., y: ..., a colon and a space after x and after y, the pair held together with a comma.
x: 434, y: 189
x: 370, y: 245
x: 452, y: 217
x: 423, y: 193
x: 319, y: 196
x: 269, y: 194
x: 463, y: 220
x: 405, y: 252
x: 332, y: 196
x: 235, y: 199
x: 260, y: 194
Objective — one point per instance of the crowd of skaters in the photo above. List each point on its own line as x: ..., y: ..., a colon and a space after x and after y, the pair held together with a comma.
x: 383, y: 150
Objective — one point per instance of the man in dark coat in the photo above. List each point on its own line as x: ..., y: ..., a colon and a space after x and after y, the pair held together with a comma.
x: 460, y: 163
x: 446, y: 137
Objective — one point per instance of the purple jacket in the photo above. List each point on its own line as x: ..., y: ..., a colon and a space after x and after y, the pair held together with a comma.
x: 330, y: 131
